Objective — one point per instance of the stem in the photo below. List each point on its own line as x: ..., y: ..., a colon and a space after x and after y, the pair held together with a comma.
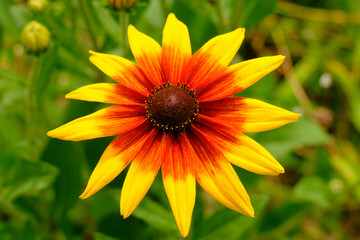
x: 220, y: 16
x: 85, y: 8
x: 124, y: 22
x: 164, y: 8
x: 287, y: 66
x: 31, y: 110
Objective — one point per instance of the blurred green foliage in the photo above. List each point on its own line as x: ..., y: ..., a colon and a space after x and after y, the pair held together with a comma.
x: 317, y: 198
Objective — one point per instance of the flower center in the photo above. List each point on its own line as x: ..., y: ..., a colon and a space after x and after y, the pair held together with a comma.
x: 172, y: 107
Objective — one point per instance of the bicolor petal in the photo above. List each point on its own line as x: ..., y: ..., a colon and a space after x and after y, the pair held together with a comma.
x: 116, y: 157
x: 107, y: 93
x: 247, y: 115
x: 240, y: 76
x: 210, y: 62
x: 242, y: 151
x: 176, y: 49
x: 123, y: 71
x: 147, y: 53
x: 106, y: 122
x: 142, y: 173
x: 217, y: 177
x: 178, y: 174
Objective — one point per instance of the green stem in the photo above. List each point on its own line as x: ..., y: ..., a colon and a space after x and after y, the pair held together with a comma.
x: 85, y: 7
x: 31, y: 108
x: 220, y: 16
x: 124, y: 22
x: 164, y: 8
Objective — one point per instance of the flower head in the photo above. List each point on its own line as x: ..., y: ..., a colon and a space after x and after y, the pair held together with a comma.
x: 118, y: 4
x: 174, y: 111
x: 35, y: 37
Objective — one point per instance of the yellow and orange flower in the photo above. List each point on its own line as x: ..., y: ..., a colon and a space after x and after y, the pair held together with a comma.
x: 174, y: 111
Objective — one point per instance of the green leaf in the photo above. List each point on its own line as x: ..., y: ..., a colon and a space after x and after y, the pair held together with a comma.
x: 304, y: 132
x: 101, y: 236
x: 155, y: 215
x: 108, y: 22
x: 228, y: 224
x: 255, y: 11
x: 68, y: 157
x: 26, y: 177
x: 280, y: 219
x: 45, y: 66
x: 313, y: 189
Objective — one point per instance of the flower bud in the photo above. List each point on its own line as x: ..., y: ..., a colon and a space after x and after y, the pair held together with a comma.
x: 37, y: 5
x: 118, y: 4
x: 35, y: 37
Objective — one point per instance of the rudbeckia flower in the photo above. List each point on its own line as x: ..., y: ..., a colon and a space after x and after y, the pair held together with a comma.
x: 173, y: 110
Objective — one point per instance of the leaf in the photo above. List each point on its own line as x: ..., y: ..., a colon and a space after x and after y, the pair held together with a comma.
x: 108, y: 22
x: 255, y: 11
x: 26, y: 177
x: 44, y: 69
x: 155, y: 215
x: 284, y: 217
x: 101, y: 236
x: 304, y: 132
x: 68, y: 157
x: 228, y: 224
x: 313, y: 189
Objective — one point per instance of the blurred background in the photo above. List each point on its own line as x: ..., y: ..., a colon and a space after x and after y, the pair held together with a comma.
x: 318, y: 197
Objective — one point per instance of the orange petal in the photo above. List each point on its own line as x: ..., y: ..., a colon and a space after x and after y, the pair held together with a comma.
x: 176, y: 48
x: 116, y: 157
x: 142, y: 173
x: 242, y: 151
x: 210, y: 62
x: 246, y: 114
x: 147, y: 53
x: 107, y: 93
x: 106, y: 122
x: 179, y: 180
x: 123, y: 71
x: 216, y: 175
x: 239, y: 77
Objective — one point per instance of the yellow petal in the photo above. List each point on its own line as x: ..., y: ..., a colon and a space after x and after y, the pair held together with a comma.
x: 222, y: 183
x: 107, y: 93
x: 259, y: 116
x: 123, y: 71
x: 116, y: 157
x: 250, y: 71
x: 212, y: 59
x: 240, y: 76
x: 251, y: 156
x: 147, y: 53
x: 142, y: 173
x: 216, y: 175
x: 176, y: 48
x: 179, y: 182
x: 245, y: 114
x: 106, y: 122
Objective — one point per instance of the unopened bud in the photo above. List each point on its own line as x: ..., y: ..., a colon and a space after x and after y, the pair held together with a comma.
x: 37, y: 5
x: 35, y: 37
x: 118, y: 4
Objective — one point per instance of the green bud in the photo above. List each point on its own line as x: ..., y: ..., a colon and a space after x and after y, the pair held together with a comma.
x: 118, y: 4
x: 37, y: 5
x: 35, y: 37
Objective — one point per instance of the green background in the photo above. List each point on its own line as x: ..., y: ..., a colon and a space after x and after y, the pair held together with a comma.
x: 318, y: 197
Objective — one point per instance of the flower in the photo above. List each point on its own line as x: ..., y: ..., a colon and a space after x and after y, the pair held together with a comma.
x: 35, y: 37
x: 174, y: 111
x: 118, y: 4
x: 37, y: 5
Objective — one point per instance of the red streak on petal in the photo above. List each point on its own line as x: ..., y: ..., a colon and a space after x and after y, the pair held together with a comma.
x: 129, y: 94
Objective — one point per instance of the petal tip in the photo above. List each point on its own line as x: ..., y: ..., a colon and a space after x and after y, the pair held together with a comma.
x: 51, y: 133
